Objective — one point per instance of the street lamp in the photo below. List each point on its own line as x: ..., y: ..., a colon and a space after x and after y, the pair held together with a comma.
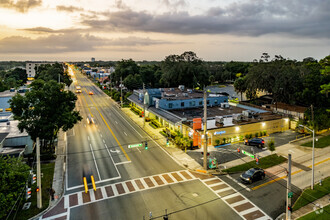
x: 313, y: 131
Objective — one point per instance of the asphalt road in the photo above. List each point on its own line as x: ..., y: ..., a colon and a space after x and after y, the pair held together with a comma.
x: 101, y: 149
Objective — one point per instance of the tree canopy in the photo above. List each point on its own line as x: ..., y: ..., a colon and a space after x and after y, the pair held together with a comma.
x: 49, y: 72
x: 13, y: 176
x: 44, y: 110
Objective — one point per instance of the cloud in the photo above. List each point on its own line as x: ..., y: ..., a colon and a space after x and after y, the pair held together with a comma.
x: 301, y: 18
x: 20, y: 5
x: 68, y: 8
x: 61, y: 43
x: 174, y: 4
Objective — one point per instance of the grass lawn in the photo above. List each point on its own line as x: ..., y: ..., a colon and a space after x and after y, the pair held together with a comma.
x: 325, y: 215
x: 309, y: 195
x: 47, y: 181
x: 264, y: 163
x: 321, y: 143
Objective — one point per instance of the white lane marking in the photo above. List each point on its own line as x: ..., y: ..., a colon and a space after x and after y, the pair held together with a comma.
x: 97, y: 169
x: 242, y: 185
x: 138, y: 149
x: 101, y: 135
x: 88, y: 138
x: 124, y: 162
x: 114, y: 151
x: 106, y: 147
x: 127, y: 122
x: 116, y: 122
x: 125, y: 133
x: 103, y: 141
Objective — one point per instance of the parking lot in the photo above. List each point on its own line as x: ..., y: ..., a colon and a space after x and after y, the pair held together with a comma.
x: 227, y: 153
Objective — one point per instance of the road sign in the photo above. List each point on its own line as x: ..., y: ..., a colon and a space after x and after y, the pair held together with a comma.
x: 135, y: 145
x: 290, y: 194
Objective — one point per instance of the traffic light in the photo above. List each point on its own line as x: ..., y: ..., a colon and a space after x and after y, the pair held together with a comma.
x: 28, y: 193
x: 290, y: 208
x: 33, y: 179
x: 167, y: 141
x: 146, y: 145
x: 37, y: 189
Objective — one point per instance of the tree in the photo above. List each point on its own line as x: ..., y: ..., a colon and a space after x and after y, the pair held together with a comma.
x: 44, y: 110
x: 124, y: 68
x: 13, y: 176
x: 240, y: 86
x: 55, y: 71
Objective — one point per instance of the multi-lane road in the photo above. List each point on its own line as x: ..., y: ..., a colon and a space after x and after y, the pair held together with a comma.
x: 135, y: 183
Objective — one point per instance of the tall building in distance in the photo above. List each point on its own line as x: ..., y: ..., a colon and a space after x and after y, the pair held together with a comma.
x: 30, y: 68
x: 93, y: 59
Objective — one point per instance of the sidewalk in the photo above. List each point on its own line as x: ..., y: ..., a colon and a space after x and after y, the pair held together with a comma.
x: 322, y: 202
x: 179, y: 156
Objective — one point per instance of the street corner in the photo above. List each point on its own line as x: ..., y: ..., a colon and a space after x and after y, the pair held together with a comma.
x: 57, y: 212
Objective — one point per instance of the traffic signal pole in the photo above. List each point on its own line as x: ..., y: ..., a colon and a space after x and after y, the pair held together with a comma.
x: 288, y: 191
x: 205, y: 132
x: 144, y: 107
x: 39, y: 197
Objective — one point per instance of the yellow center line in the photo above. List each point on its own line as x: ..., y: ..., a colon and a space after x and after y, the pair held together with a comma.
x: 282, y: 177
x: 121, y: 147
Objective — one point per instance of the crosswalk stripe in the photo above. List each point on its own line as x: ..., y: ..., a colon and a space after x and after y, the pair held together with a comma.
x: 144, y: 183
x: 104, y: 193
x: 163, y: 179
x: 238, y: 203
x: 114, y: 190
x: 184, y: 178
x: 230, y: 196
x: 135, y: 186
x: 92, y: 195
x: 125, y: 187
x: 221, y: 190
x: 192, y: 176
x: 174, y: 180
x: 153, y: 181
x: 247, y: 211
x: 66, y: 202
x: 80, y: 200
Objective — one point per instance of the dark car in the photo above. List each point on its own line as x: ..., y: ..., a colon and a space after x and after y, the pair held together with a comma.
x: 253, y: 175
x: 255, y: 141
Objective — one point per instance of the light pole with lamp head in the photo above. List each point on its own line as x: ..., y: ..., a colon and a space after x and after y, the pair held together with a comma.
x: 313, y: 131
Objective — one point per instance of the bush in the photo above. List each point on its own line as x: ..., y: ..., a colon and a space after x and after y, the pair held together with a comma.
x: 256, y: 134
x: 247, y: 136
x: 250, y: 136
x: 271, y: 145
x: 265, y: 133
x: 217, y: 141
x: 260, y: 133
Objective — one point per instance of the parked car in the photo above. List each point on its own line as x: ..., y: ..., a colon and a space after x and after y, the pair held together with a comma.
x: 255, y: 141
x: 252, y: 175
x: 91, y: 93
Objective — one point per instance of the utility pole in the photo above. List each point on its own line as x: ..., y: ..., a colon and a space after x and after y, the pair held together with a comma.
x: 144, y: 107
x: 39, y: 197
x: 312, y: 184
x: 205, y: 130
x: 59, y: 78
x: 121, y: 91
x: 288, y: 190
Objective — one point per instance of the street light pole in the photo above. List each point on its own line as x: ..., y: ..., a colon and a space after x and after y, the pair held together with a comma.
x: 313, y: 131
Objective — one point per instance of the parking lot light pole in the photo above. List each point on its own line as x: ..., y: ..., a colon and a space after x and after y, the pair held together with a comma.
x: 313, y: 131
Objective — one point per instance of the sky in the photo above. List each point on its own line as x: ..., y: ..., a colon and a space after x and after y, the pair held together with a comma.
x: 216, y: 30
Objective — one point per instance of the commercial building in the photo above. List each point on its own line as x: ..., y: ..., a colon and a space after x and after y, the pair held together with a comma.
x: 177, y: 109
x: 31, y: 68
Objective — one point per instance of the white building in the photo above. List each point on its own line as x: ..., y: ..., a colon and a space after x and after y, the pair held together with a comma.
x: 30, y: 68
x: 93, y: 59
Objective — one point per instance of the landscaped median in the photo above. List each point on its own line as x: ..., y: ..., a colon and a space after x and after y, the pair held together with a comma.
x: 310, y: 195
x: 321, y: 143
x: 264, y: 163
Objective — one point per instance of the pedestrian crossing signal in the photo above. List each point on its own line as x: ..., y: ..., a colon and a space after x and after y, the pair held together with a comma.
x: 37, y: 189
x: 146, y: 145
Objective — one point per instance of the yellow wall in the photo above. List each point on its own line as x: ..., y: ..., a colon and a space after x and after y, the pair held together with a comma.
x: 278, y: 125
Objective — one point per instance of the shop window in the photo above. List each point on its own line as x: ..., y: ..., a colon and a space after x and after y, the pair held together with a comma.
x: 182, y: 104
x: 170, y: 105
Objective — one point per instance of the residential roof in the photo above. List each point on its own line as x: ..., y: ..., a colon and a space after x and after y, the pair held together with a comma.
x: 288, y: 107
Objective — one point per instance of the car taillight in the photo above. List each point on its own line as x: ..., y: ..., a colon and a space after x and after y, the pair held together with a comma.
x: 263, y: 142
